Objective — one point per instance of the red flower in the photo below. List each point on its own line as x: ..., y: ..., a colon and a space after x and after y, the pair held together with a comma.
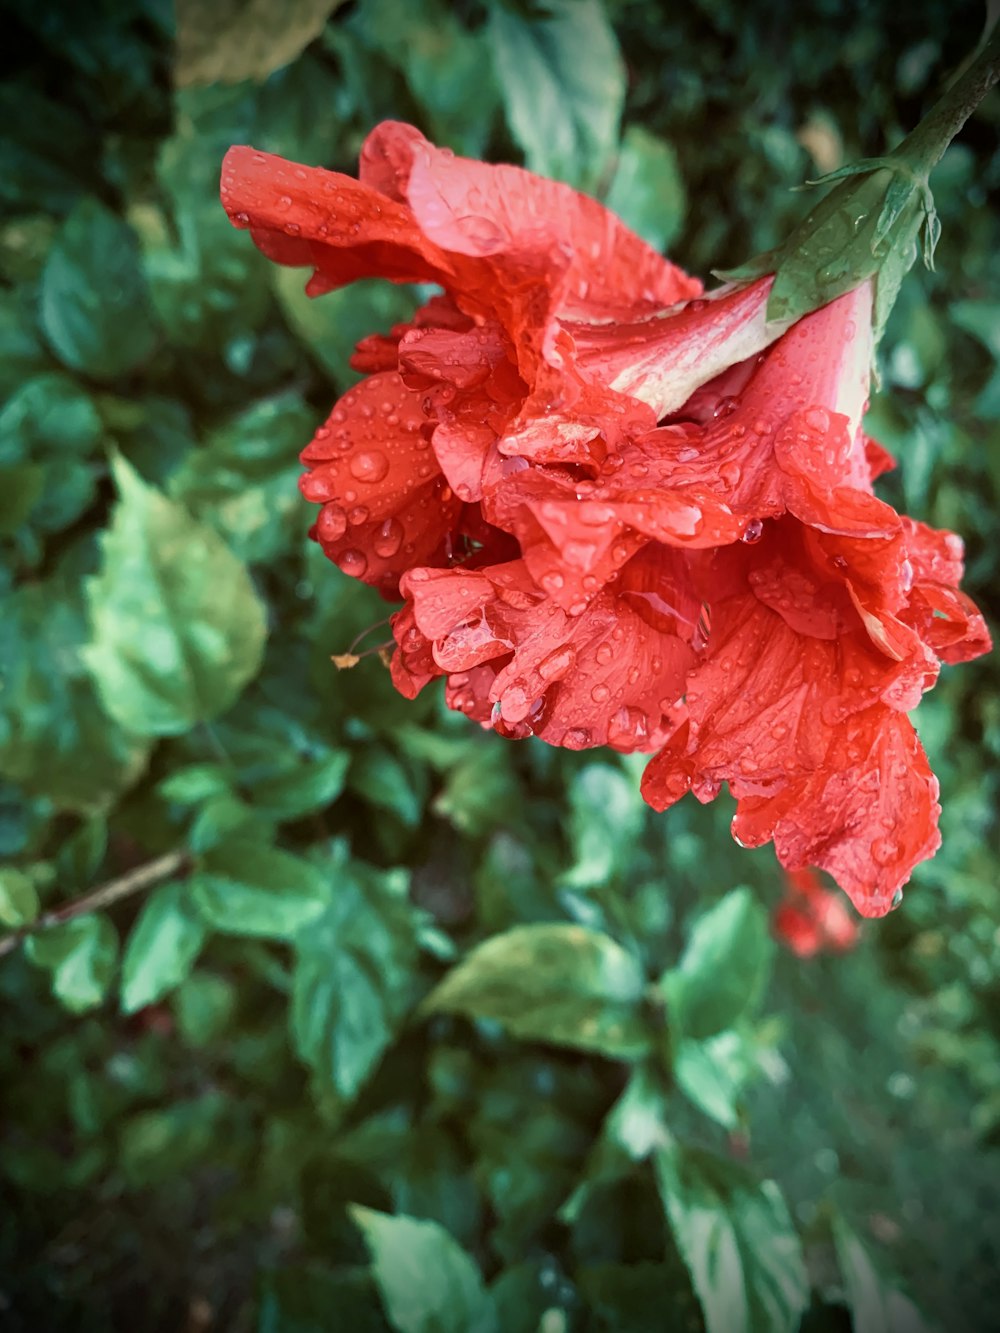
x: 622, y: 512
x: 811, y: 918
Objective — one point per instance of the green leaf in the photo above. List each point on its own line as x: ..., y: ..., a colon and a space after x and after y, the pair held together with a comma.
x: 354, y: 977
x: 244, y: 480
x: 18, y: 898
x: 555, y: 982
x: 389, y: 782
x: 56, y: 739
x: 723, y: 970
x: 178, y: 629
x: 712, y: 1074
x: 737, y: 1240
x: 876, y: 1305
x: 562, y: 80
x: 245, y: 888
x: 81, y: 956
x: 94, y: 304
x: 427, y: 1281
x: 607, y: 818
x: 278, y: 763
x: 330, y: 326
x: 445, y: 65
x: 161, y: 948
x: 316, y: 1300
x: 647, y: 190
x: 231, y: 40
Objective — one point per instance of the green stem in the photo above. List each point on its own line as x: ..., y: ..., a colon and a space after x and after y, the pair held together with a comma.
x: 924, y: 147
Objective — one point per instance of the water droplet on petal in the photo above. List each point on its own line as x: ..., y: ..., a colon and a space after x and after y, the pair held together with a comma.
x: 332, y: 523
x: 352, y: 562
x: 753, y: 532
x: 577, y: 738
x: 897, y: 900
x: 389, y: 538
x: 369, y: 467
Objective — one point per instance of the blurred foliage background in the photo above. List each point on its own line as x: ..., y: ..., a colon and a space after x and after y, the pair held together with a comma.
x: 381, y: 1041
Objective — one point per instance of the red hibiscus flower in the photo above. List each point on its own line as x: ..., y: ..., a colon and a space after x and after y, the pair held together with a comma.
x: 623, y: 512
x: 811, y: 918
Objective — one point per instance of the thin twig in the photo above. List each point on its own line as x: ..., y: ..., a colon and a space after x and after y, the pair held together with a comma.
x: 142, y: 877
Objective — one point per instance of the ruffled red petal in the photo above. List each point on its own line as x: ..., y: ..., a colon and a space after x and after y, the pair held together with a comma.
x: 385, y: 502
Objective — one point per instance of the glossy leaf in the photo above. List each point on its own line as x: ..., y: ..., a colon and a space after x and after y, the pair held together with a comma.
x: 557, y: 983
x: 178, y: 629
x: 427, y: 1281
x: 737, y: 1240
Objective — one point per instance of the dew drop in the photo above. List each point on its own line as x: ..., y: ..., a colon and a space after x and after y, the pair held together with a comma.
x: 388, y: 539
x: 357, y: 515
x: 753, y: 532
x: 369, y: 467
x: 577, y: 738
x: 600, y: 694
x: 332, y: 523
x: 352, y: 562
x: 557, y: 663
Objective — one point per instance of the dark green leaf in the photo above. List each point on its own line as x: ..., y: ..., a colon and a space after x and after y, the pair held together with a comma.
x: 562, y: 80
x: 178, y: 629
x: 94, y: 304
x: 161, y: 948
x: 354, y: 977
x: 876, y: 1305
x: 444, y: 64
x: 81, y: 956
x: 428, y: 1283
x: 557, y: 983
x: 330, y: 326
x: 389, y: 782
x: 647, y: 190
x: 314, y: 1300
x: 738, y: 1242
x: 244, y: 480
x: 55, y: 737
x: 245, y: 888
x: 724, y: 969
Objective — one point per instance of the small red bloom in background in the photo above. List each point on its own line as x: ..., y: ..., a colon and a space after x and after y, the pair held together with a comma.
x: 621, y: 511
x: 812, y: 918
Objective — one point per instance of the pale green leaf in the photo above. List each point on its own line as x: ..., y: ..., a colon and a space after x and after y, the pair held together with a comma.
x: 18, y: 898
x: 178, y: 629
x: 427, y: 1282
x: 647, y: 189
x: 723, y: 970
x: 552, y: 982
x: 562, y: 81
x: 737, y: 1240
x: 161, y: 947
x: 230, y: 40
x: 81, y: 956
